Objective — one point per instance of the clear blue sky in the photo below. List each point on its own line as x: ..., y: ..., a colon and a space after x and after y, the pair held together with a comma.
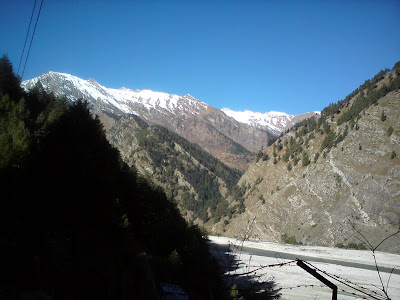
x: 290, y: 56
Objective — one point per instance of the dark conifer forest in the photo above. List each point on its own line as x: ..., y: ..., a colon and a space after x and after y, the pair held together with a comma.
x: 202, y: 177
x: 78, y: 223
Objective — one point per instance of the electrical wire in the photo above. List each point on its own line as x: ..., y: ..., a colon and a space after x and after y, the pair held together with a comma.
x: 26, y: 38
x: 33, y: 35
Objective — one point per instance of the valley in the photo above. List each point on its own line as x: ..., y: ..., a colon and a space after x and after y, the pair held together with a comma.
x: 322, y: 176
x: 222, y: 150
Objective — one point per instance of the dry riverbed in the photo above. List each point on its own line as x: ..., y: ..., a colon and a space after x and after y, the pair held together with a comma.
x: 353, y: 271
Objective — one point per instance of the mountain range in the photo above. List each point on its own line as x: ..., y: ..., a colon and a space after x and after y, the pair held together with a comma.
x: 227, y: 135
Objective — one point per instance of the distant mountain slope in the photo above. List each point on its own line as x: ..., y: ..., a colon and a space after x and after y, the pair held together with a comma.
x: 323, y: 175
x: 190, y: 175
x: 195, y: 179
x: 207, y: 126
x: 274, y: 121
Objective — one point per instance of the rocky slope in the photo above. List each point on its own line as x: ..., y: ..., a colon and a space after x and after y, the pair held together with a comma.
x: 223, y: 134
x: 323, y: 176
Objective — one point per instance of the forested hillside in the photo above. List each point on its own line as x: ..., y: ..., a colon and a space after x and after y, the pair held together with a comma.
x: 325, y: 176
x: 76, y: 221
x: 230, y: 141
x: 192, y: 177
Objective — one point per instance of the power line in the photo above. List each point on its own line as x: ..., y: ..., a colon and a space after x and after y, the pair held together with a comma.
x: 33, y: 35
x: 26, y: 38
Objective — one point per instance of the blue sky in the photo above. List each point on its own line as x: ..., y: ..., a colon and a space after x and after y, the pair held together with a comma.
x: 290, y: 56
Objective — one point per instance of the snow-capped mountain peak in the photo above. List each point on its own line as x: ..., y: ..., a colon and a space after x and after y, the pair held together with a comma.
x: 124, y: 100
x: 274, y: 121
x: 149, y: 104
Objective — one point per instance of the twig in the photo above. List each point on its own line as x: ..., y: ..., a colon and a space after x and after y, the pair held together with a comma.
x: 388, y: 237
x: 391, y: 272
x: 366, y: 242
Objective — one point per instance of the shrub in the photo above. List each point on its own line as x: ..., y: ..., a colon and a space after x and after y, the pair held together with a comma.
x: 290, y: 239
x: 305, y: 161
x: 390, y: 131
x: 383, y: 116
x: 265, y: 157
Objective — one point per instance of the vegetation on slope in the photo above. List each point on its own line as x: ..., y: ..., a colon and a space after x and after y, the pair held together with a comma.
x: 190, y: 175
x: 296, y: 139
x: 325, y: 166
x: 76, y: 221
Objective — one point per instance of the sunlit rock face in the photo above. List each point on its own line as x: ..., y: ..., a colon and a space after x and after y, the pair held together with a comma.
x: 356, y: 182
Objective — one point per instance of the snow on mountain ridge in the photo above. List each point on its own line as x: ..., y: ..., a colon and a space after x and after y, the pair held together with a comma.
x: 222, y: 136
x: 148, y: 102
x: 122, y: 98
x: 274, y: 120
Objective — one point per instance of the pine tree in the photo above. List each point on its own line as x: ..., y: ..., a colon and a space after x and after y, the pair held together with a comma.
x: 234, y: 293
x: 306, y: 160
x: 15, y: 136
x: 9, y: 83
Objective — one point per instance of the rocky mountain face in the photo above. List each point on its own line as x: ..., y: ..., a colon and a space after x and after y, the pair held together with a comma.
x: 149, y: 128
x: 327, y: 177
x: 224, y: 137
x: 230, y: 138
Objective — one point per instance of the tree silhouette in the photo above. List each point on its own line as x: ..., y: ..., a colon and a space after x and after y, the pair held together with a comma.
x: 75, y: 220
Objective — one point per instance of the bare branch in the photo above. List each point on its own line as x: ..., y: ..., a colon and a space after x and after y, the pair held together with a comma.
x: 388, y: 237
x: 373, y: 249
x: 391, y: 272
x: 365, y: 240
